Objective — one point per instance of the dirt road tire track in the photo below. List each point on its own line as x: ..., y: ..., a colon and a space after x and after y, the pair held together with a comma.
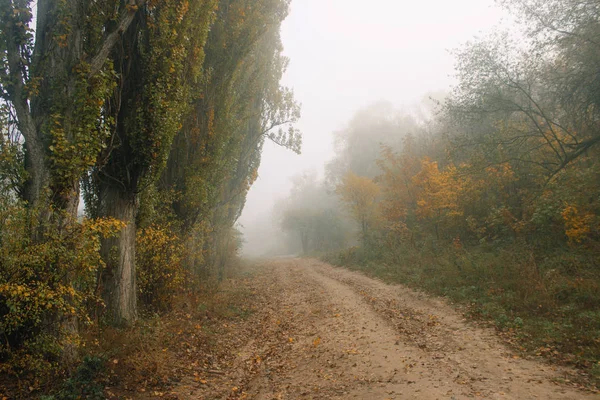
x: 329, y: 333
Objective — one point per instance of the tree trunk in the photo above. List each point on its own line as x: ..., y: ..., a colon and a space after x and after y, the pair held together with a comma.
x: 364, y: 231
x: 190, y: 251
x: 38, y: 173
x: 304, y: 239
x: 223, y: 253
x: 119, y: 280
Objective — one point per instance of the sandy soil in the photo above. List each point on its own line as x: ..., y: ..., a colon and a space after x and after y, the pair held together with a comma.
x: 321, y: 332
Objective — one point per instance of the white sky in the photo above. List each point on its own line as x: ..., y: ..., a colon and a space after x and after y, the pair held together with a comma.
x: 346, y: 54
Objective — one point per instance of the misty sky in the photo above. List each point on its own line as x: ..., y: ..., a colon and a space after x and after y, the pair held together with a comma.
x: 346, y: 54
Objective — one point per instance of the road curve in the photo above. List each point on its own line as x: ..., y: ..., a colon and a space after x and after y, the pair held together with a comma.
x: 355, y: 337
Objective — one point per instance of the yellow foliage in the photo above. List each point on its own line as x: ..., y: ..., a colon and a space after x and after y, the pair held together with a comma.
x: 439, y: 191
x: 577, y: 223
x: 419, y: 189
x: 397, y: 187
x: 159, y: 266
x: 43, y: 281
x: 360, y: 194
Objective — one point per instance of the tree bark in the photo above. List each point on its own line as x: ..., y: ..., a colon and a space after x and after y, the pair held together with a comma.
x: 38, y: 178
x: 119, y: 277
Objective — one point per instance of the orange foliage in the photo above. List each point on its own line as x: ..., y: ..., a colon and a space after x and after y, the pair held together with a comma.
x: 439, y: 191
x: 577, y: 223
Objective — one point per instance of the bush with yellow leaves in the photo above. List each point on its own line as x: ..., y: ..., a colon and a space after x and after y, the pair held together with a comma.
x: 160, y: 272
x: 45, y: 282
x: 578, y: 224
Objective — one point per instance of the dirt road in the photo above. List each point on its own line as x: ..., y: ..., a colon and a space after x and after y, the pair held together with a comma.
x: 327, y: 333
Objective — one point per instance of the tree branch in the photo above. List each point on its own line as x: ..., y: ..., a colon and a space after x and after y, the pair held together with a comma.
x: 111, y: 39
x: 16, y: 88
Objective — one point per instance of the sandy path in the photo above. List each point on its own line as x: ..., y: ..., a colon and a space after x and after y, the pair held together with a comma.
x: 328, y: 333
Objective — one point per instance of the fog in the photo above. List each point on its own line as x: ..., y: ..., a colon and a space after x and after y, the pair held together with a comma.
x: 345, y: 55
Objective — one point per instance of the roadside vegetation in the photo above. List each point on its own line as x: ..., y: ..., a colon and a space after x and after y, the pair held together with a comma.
x: 155, y: 114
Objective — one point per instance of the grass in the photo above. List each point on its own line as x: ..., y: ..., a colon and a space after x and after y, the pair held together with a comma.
x: 546, y: 305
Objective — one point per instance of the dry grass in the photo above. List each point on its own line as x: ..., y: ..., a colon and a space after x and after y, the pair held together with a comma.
x: 162, y: 349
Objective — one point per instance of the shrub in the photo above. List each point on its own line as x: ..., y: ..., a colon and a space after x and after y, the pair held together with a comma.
x: 47, y: 286
x: 159, y: 267
x: 84, y: 382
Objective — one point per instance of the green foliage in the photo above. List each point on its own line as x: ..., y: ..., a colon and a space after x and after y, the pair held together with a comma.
x: 83, y: 384
x: 162, y: 56
x: 169, y: 61
x: 78, y: 127
x: 12, y: 170
x: 215, y: 156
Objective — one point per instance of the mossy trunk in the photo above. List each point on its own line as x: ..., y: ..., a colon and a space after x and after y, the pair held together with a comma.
x: 119, y: 277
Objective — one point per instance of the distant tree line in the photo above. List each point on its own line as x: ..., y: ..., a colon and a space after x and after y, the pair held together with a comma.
x: 510, y: 154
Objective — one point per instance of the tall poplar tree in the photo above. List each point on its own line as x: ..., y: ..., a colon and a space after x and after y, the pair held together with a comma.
x: 159, y: 69
x: 55, y: 83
